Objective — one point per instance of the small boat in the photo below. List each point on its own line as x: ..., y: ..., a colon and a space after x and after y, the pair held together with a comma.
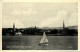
x: 44, y: 40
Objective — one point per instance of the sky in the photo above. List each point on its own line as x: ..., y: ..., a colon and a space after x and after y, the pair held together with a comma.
x: 40, y: 14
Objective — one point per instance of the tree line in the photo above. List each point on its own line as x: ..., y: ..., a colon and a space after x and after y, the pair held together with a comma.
x: 36, y: 31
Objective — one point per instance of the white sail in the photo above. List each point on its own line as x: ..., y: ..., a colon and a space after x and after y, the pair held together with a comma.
x: 44, y: 39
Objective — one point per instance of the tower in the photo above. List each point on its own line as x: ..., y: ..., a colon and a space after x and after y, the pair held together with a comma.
x: 13, y: 28
x: 35, y: 26
x: 64, y: 30
x: 63, y: 25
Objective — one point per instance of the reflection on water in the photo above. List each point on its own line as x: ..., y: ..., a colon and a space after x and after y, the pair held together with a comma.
x: 32, y: 43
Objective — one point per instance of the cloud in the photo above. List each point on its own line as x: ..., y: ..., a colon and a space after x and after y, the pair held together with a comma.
x: 24, y: 12
x: 73, y: 19
x: 40, y: 14
x: 8, y: 23
x: 57, y: 21
x: 54, y: 21
x: 18, y: 24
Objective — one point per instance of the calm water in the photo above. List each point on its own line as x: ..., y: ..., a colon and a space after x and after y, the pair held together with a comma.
x: 32, y: 43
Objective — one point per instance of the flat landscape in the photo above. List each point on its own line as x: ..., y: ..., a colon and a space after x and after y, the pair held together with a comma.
x: 32, y: 43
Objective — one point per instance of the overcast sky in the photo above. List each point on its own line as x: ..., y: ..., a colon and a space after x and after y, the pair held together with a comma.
x: 44, y: 14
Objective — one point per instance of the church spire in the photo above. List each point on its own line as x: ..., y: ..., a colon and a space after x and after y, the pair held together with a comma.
x: 13, y: 25
x: 35, y: 26
x: 63, y: 25
x: 13, y: 28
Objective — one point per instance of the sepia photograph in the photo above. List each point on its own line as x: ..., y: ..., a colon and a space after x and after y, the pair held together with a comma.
x: 39, y: 26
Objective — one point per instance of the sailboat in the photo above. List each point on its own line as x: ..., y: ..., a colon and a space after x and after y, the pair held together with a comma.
x: 44, y: 40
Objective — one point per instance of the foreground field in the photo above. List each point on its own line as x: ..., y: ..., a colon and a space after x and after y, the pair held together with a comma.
x: 32, y: 43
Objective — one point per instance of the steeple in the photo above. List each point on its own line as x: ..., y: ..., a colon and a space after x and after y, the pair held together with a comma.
x: 13, y: 28
x: 13, y: 25
x: 35, y: 26
x: 63, y: 25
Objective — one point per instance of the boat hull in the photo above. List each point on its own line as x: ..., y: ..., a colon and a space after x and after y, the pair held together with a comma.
x: 43, y: 43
